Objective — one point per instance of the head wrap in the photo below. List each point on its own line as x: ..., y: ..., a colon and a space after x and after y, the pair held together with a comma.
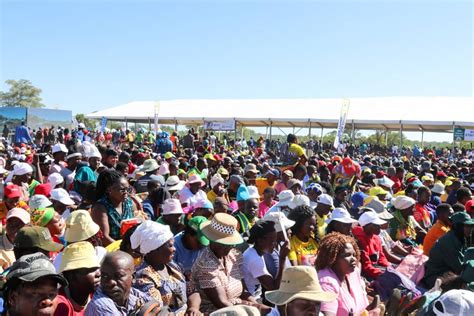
x: 150, y: 236
x: 41, y: 217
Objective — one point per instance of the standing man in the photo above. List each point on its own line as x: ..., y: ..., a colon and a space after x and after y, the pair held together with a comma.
x: 22, y: 134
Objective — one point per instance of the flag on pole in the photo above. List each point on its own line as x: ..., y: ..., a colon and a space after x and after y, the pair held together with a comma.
x: 342, y: 122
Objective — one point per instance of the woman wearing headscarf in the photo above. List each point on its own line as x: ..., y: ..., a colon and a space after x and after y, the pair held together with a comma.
x: 403, y: 225
x: 158, y: 275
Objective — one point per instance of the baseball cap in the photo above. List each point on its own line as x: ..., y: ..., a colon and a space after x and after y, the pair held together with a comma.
x: 59, y: 148
x: 469, y: 206
x: 454, y: 302
x: 36, y: 236
x: 31, y: 267
x: 62, y: 196
x: 19, y: 213
x: 79, y: 255
x: 370, y: 218
x: 340, y: 214
x: 293, y: 182
x: 55, y: 179
x: 39, y: 201
x: 462, y: 217
x: 272, y: 172
x: 12, y: 191
x: 325, y: 199
x: 43, y: 189
x: 194, y: 223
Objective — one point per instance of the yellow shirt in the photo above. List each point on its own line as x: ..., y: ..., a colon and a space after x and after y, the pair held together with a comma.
x: 211, y: 196
x: 321, y: 221
x: 303, y: 252
x: 297, y: 149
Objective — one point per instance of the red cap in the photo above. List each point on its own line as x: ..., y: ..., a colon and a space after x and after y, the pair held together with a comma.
x: 322, y: 163
x: 469, y: 206
x: 43, y: 189
x: 336, y: 158
x: 380, y: 174
x: 218, y: 157
x: 441, y: 174
x: 12, y: 191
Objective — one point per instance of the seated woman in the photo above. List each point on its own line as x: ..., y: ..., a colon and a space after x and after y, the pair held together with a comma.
x: 157, y: 275
x: 303, y: 244
x: 113, y: 205
x: 403, y: 226
x: 338, y: 271
x: 216, y: 272
x: 263, y: 236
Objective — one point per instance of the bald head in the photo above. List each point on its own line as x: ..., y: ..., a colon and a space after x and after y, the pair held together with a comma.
x: 120, y: 259
x: 117, y: 276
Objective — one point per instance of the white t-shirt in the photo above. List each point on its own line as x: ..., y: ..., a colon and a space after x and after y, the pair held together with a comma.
x: 186, y: 196
x: 253, y: 268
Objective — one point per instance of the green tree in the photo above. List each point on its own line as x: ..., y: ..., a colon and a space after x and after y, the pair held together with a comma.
x: 21, y: 94
x: 89, y: 123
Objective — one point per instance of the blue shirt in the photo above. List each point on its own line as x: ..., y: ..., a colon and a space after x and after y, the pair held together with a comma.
x: 184, y: 257
x: 103, y: 305
x: 22, y: 135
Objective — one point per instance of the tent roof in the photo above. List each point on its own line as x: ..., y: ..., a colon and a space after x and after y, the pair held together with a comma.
x: 437, y: 114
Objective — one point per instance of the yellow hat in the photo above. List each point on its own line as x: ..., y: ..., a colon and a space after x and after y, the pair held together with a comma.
x: 447, y: 183
x: 409, y: 175
x: 80, y: 226
x: 79, y: 255
x: 377, y: 191
x: 210, y: 157
x: 169, y: 155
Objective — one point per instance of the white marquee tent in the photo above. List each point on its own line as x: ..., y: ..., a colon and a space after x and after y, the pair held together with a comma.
x: 430, y: 114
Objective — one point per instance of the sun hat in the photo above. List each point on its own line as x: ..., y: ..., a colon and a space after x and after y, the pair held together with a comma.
x: 299, y: 200
x: 340, y: 214
x: 149, y: 236
x: 42, y: 216
x: 39, y: 201
x: 35, y: 236
x: 299, y: 282
x: 164, y: 169
x: 373, y: 203
x: 169, y: 155
x: 61, y: 196
x: 377, y: 191
x: 73, y: 155
x: 237, y: 310
x: 315, y: 187
x: 216, y: 179
x: 292, y: 182
x: 384, y: 181
x: 150, y: 165
x: 210, y: 157
x: 461, y: 217
x: 55, y: 179
x: 79, y: 255
x: 80, y: 226
x: 19, y: 213
x: 201, y: 203
x: 370, y: 218
x: 288, y: 172
x: 403, y: 202
x: 438, y: 188
x: 253, y: 192
x: 427, y: 177
x: 59, y: 148
x: 195, y: 179
x: 172, y: 206
x: 454, y: 302
x: 280, y: 220
x: 222, y: 229
x: 325, y: 199
x: 250, y: 168
x: 31, y: 267
x: 285, y: 197
x: 242, y: 193
x: 195, y: 224
x: 173, y: 183
x: 223, y: 171
x: 11, y: 191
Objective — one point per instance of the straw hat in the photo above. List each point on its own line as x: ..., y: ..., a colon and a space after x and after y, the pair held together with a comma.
x: 174, y: 184
x: 80, y: 226
x: 299, y: 282
x: 222, y: 229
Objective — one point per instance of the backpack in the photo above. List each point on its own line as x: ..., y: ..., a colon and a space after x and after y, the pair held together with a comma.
x: 287, y: 157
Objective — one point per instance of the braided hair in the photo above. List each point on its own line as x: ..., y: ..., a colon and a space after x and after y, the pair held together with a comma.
x: 300, y: 214
x: 106, y: 179
x: 330, y: 248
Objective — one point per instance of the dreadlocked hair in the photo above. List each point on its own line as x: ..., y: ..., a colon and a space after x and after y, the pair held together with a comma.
x: 300, y: 214
x: 106, y: 179
x: 330, y: 248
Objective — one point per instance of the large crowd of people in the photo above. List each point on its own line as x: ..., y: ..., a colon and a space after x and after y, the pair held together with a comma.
x: 133, y: 223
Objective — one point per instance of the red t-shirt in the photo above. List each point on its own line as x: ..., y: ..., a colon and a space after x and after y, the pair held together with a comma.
x: 65, y: 307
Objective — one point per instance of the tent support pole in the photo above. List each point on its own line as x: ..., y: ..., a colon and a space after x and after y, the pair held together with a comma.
x: 454, y: 142
x: 422, y: 139
x: 322, y: 133
x: 353, y: 132
x: 266, y: 132
x: 401, y: 136
x: 149, y: 124
x: 271, y: 125
x: 309, y: 131
x: 235, y: 131
x: 126, y: 123
x: 386, y: 137
x: 176, y: 125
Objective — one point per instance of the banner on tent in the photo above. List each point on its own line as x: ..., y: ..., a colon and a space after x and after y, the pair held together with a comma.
x: 342, y: 123
x: 228, y: 125
x: 469, y: 135
x: 103, y: 123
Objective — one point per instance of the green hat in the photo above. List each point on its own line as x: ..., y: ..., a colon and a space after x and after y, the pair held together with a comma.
x: 42, y: 216
x: 467, y: 274
x: 35, y: 236
x: 468, y: 254
x: 194, y: 223
x: 462, y: 217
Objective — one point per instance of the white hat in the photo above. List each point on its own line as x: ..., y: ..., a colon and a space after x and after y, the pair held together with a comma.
x: 172, y: 206
x: 19, y: 213
x: 164, y: 169
x: 216, y: 179
x: 174, y: 184
x: 22, y: 168
x: 403, y: 202
x: 253, y: 192
x: 370, y: 218
x: 340, y: 214
x: 325, y: 199
x: 62, y: 196
x: 378, y: 207
x: 299, y: 200
x: 150, y: 165
x: 384, y: 181
x: 455, y: 302
x: 279, y: 217
x: 59, y: 148
x: 55, y: 179
x: 90, y: 150
x: 38, y: 201
x: 149, y: 236
x: 285, y: 197
x: 81, y: 125
x: 438, y: 188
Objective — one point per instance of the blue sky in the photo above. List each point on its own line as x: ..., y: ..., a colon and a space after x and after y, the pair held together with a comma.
x: 88, y: 55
